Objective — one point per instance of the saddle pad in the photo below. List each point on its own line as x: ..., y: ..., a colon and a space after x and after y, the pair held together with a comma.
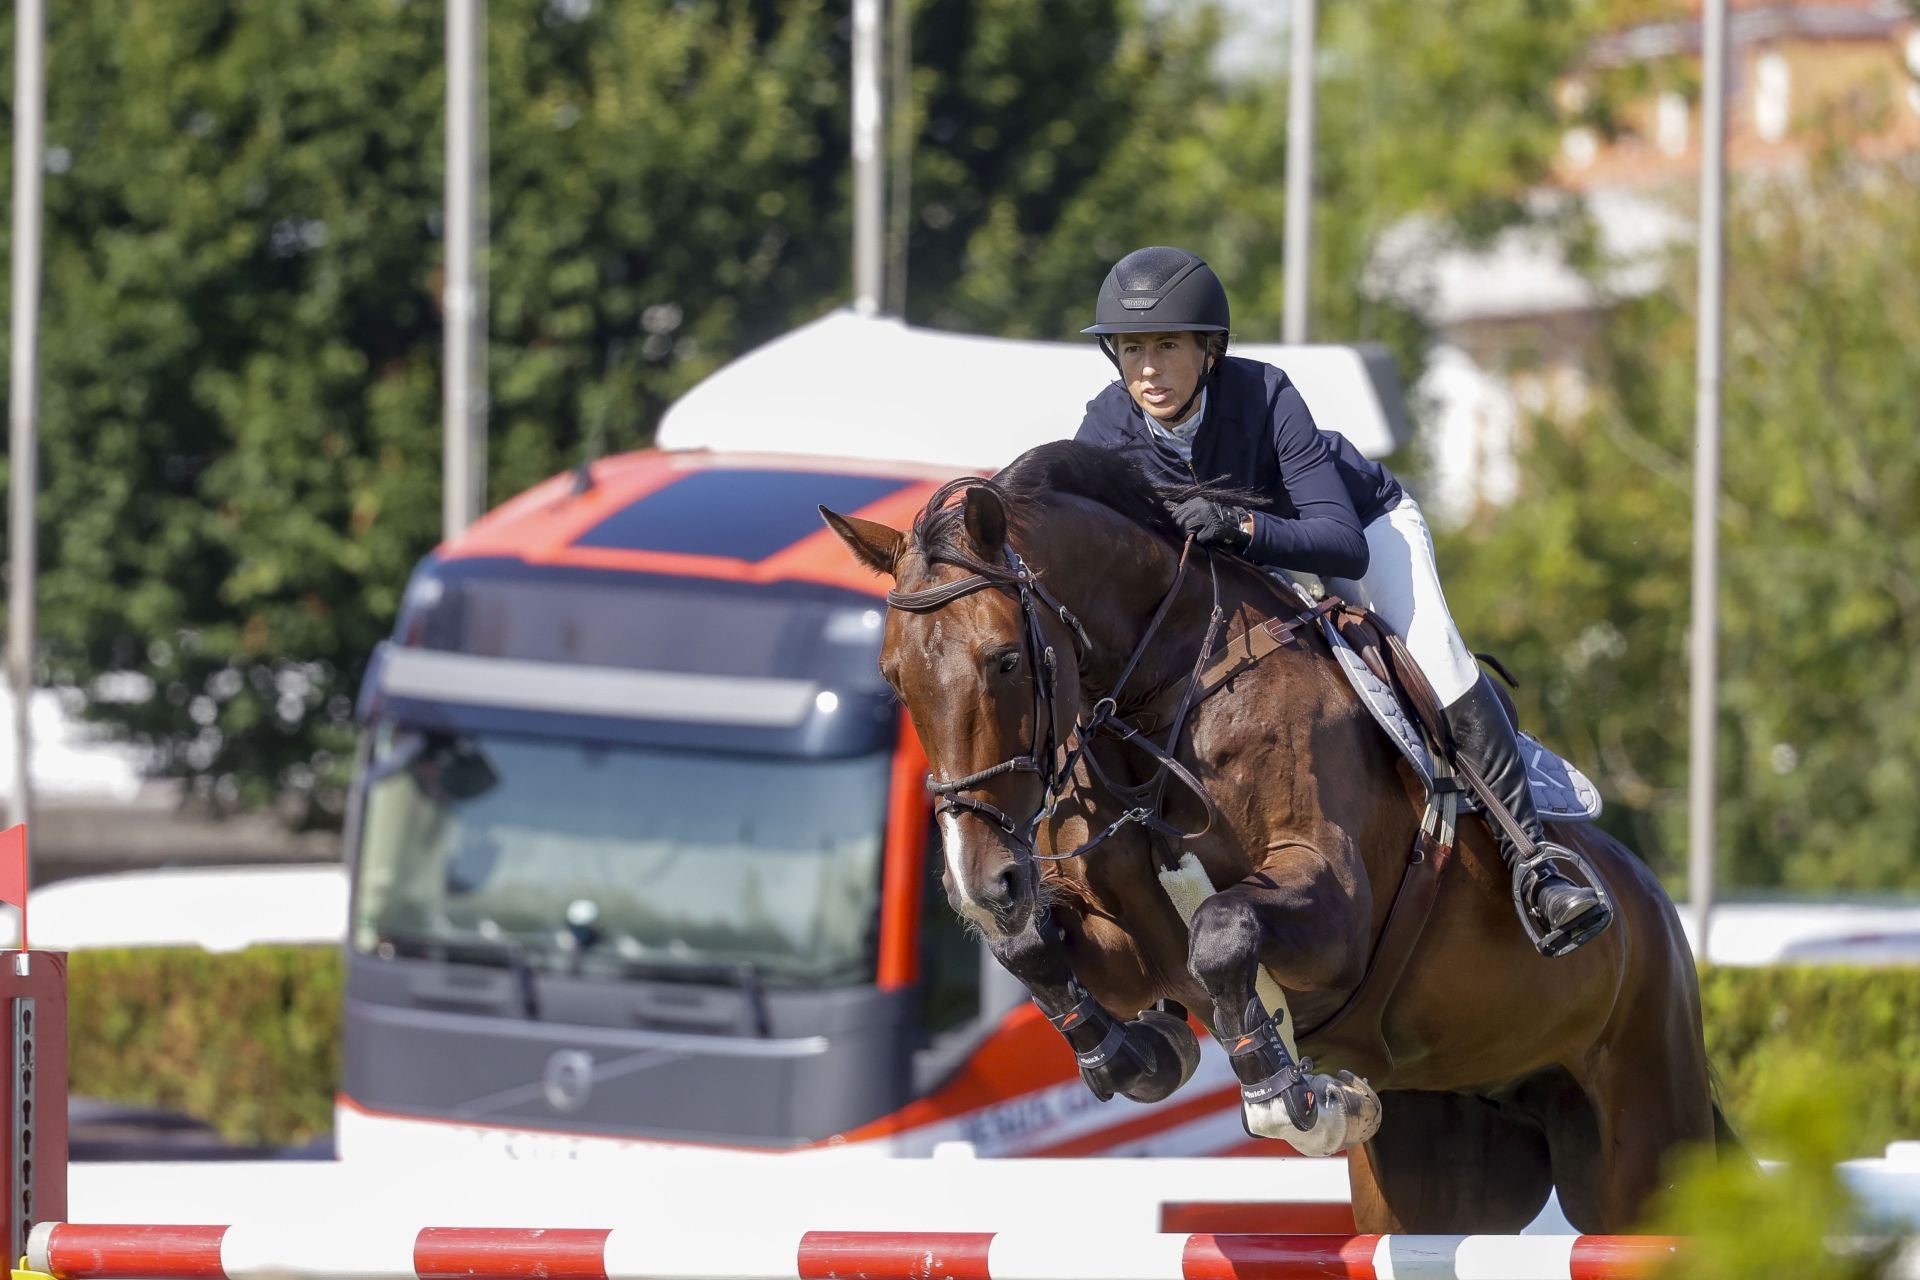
x: 1561, y: 792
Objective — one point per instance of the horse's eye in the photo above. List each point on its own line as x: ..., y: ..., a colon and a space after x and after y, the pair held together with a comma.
x: 1009, y: 663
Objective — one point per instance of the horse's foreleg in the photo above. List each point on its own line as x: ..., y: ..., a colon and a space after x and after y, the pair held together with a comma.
x: 1298, y: 923
x: 1144, y: 1059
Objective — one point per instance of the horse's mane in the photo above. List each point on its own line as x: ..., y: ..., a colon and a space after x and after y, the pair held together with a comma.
x: 1109, y: 477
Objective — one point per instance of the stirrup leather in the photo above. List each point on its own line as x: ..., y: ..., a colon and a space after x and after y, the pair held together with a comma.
x: 1558, y: 942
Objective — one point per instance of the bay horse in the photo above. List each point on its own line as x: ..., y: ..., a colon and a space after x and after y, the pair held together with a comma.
x: 1057, y: 598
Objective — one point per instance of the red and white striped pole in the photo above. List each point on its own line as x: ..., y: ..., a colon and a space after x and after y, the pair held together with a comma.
x: 332, y: 1251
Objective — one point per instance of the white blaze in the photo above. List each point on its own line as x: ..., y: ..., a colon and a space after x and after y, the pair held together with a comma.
x: 950, y: 834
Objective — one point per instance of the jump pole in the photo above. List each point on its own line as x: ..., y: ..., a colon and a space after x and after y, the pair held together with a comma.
x: 334, y: 1251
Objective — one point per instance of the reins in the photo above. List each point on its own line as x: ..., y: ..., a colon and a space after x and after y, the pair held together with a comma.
x: 1143, y: 801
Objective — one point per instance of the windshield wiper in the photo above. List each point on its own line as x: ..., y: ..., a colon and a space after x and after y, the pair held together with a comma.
x: 505, y: 950
x: 744, y: 974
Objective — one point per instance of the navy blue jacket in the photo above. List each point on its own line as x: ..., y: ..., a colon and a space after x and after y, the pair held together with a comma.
x: 1258, y: 436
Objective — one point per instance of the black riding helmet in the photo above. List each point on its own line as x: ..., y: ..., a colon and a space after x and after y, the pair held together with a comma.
x: 1159, y: 290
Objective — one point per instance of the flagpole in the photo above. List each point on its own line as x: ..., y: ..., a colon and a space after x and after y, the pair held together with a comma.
x: 29, y: 151
x: 868, y: 207
x: 1297, y: 262
x: 463, y: 392
x: 1702, y: 710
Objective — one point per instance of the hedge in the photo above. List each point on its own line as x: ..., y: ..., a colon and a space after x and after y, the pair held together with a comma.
x: 1862, y: 1025
x: 250, y: 1041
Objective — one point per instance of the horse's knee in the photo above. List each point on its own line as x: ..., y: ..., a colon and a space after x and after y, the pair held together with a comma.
x: 1224, y: 945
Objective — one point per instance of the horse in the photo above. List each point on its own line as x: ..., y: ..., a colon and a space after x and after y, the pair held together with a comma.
x: 1046, y: 624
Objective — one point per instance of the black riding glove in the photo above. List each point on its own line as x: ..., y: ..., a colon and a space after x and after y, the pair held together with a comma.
x: 1213, y: 524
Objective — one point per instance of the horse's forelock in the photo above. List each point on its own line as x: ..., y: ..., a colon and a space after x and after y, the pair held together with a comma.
x: 940, y: 530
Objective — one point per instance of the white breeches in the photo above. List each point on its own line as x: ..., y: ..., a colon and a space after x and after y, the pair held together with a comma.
x: 1403, y: 586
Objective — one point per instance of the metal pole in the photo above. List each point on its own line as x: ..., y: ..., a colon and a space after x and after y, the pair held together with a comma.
x: 868, y: 209
x: 899, y: 109
x: 29, y: 152
x: 1702, y: 702
x: 1299, y: 232
x: 464, y: 293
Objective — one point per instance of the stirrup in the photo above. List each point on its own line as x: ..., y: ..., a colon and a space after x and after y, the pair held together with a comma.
x: 1584, y: 928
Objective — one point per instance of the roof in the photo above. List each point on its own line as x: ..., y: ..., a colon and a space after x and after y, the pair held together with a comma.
x: 1524, y: 270
x: 854, y: 386
x: 1754, y: 22
x: 214, y: 908
x: 752, y: 451
x: 733, y: 517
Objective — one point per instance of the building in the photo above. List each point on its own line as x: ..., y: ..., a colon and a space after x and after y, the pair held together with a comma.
x: 1516, y: 320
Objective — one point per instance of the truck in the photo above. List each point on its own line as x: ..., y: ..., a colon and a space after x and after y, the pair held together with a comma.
x: 641, y: 857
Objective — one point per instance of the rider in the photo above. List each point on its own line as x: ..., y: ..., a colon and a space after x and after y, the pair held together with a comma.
x: 1189, y: 411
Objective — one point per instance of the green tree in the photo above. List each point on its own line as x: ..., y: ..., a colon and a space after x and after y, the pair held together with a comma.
x: 1438, y: 109
x: 240, y: 413
x: 1584, y: 582
x: 240, y: 418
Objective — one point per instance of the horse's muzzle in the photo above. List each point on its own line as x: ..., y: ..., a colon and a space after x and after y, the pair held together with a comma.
x: 1000, y: 902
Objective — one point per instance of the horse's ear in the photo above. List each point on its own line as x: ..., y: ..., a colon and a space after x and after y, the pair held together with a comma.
x: 986, y: 518
x: 874, y: 545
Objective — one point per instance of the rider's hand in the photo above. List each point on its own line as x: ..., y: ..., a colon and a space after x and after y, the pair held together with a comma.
x: 1213, y: 524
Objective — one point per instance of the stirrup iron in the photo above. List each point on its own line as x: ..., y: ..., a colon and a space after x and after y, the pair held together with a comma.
x: 1549, y: 942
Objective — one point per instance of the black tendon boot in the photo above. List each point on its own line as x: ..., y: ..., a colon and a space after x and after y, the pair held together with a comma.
x: 1267, y: 1071
x: 1567, y: 914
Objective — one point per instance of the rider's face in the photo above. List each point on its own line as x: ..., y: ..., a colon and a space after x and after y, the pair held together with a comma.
x: 1161, y: 370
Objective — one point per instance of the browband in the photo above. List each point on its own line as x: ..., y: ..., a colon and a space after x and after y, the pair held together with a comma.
x: 946, y: 593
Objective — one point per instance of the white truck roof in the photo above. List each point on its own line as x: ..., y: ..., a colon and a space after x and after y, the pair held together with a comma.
x: 853, y: 386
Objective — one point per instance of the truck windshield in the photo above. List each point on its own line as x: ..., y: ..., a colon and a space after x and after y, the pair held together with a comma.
x: 622, y: 860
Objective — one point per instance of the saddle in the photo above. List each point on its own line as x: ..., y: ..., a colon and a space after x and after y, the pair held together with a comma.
x: 1391, y: 686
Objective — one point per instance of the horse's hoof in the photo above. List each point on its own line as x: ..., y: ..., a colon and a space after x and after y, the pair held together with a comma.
x: 1346, y: 1115
x: 1363, y: 1108
x: 1159, y: 1055
x: 1176, y: 1054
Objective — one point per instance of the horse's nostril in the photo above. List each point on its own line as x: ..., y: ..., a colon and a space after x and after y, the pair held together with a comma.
x: 1008, y: 883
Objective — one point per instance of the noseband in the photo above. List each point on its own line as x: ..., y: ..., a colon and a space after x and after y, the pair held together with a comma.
x: 951, y: 797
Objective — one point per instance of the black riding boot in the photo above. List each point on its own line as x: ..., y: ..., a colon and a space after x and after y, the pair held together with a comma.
x: 1568, y: 914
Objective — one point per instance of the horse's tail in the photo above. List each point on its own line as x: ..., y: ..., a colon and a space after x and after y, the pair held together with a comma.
x: 1726, y: 1143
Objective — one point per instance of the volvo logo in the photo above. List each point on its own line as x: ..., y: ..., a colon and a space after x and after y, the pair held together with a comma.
x: 568, y: 1080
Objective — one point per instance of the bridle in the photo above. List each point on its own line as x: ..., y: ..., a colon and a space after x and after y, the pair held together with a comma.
x: 1044, y: 756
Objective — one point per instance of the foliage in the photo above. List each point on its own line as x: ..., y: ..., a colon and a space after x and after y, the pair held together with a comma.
x: 241, y: 323
x: 241, y: 449
x: 1795, y: 1219
x: 1443, y: 109
x: 249, y: 1041
x: 1583, y: 584
x: 1860, y: 1025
